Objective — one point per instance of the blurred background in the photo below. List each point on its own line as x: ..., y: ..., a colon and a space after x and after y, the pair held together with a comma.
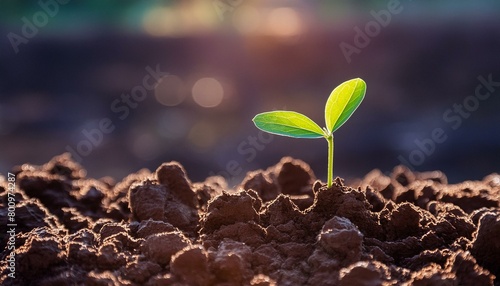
x: 125, y: 85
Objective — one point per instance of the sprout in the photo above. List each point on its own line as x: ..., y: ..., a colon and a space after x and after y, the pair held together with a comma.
x: 341, y: 104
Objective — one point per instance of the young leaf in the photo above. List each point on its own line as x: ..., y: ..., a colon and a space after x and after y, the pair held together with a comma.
x: 342, y: 102
x: 288, y: 123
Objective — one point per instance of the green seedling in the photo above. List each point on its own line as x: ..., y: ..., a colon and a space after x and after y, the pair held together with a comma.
x: 341, y: 104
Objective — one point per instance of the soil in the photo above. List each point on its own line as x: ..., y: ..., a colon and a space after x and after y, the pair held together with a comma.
x: 281, y: 226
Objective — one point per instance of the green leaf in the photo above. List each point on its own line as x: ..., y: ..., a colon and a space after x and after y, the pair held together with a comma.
x: 288, y: 123
x: 342, y: 103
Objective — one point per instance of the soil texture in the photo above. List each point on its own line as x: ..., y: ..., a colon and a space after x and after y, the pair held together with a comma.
x: 281, y: 226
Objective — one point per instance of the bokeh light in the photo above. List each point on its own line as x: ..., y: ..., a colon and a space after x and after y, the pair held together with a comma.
x: 170, y: 91
x: 247, y: 19
x: 208, y: 92
x: 180, y: 19
x: 284, y: 22
x: 161, y: 22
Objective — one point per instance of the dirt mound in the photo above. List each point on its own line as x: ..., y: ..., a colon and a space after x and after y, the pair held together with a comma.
x: 280, y: 227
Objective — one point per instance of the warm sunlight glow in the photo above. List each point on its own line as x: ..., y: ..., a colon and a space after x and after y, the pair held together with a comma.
x: 246, y: 19
x: 284, y: 22
x: 161, y: 22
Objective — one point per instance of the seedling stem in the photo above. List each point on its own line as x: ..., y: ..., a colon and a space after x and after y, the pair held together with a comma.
x: 330, y: 160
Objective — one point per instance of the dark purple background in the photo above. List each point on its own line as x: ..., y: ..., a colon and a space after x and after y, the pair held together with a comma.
x: 425, y: 61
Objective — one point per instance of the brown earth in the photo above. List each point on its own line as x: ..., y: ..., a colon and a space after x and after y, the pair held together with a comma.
x: 280, y: 227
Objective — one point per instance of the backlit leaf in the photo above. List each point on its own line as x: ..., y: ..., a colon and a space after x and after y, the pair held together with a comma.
x: 288, y: 123
x: 342, y: 103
